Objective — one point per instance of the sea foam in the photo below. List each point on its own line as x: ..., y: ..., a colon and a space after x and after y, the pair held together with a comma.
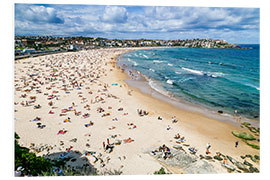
x: 193, y: 71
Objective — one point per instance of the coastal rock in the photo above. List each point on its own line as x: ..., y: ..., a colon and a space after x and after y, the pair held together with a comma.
x: 253, y: 159
x: 257, y: 157
x: 241, y: 166
x: 253, y: 170
x: 188, y: 163
x: 208, y: 157
x: 220, y: 112
x: 218, y: 158
x: 243, y: 157
x: 247, y: 163
x: 229, y: 167
x: 178, y: 147
x: 231, y: 159
x: 200, y: 167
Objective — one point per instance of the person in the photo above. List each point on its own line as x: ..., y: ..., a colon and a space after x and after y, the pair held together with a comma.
x: 193, y: 150
x: 50, y: 103
x: 235, y: 112
x: 236, y: 116
x: 109, y: 148
x: 225, y: 160
x: 177, y: 136
x: 174, y: 119
x: 236, y: 144
x: 207, y: 148
x: 104, y: 146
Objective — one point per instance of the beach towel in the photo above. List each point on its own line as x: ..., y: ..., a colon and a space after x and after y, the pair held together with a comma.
x: 69, y: 149
x: 129, y: 140
x: 64, y: 110
x: 61, y: 132
x: 67, y: 120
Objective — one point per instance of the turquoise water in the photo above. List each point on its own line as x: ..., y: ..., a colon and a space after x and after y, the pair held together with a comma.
x: 220, y: 79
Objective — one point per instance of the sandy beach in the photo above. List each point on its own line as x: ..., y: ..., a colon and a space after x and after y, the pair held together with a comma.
x: 79, y: 102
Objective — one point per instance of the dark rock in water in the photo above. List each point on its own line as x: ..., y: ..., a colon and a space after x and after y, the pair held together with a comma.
x: 256, y: 116
x: 253, y: 170
x: 220, y: 112
x: 257, y: 157
x: 218, y: 158
x: 247, y: 163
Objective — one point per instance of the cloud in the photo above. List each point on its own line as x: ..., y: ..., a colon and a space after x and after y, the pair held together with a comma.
x: 37, y: 14
x: 136, y: 21
x: 114, y: 14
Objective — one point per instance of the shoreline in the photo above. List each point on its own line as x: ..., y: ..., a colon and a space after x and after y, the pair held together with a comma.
x: 211, y: 128
x: 142, y: 84
x: 150, y: 132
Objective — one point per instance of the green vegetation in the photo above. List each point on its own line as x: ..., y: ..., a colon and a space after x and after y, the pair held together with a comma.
x: 33, y: 165
x: 39, y: 166
x: 161, y: 171
x: 246, y: 124
x: 252, y: 145
x: 244, y: 135
x: 249, y: 137
x: 251, y: 129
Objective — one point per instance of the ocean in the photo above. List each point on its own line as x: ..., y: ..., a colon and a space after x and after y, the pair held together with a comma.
x: 218, y: 79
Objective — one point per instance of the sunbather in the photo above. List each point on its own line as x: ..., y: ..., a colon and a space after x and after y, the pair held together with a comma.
x: 37, y: 119
x: 174, y: 119
x: 61, y: 132
x: 128, y: 140
x: 37, y: 106
x: 90, y: 124
x: 192, y: 150
x: 177, y: 136
x: 50, y: 103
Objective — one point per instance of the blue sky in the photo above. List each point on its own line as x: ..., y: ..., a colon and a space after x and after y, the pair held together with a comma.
x: 235, y: 25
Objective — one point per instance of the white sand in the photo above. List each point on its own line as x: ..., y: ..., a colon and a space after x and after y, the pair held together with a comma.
x: 95, y: 69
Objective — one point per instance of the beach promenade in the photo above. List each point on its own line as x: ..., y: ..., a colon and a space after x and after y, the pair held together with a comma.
x: 79, y: 102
